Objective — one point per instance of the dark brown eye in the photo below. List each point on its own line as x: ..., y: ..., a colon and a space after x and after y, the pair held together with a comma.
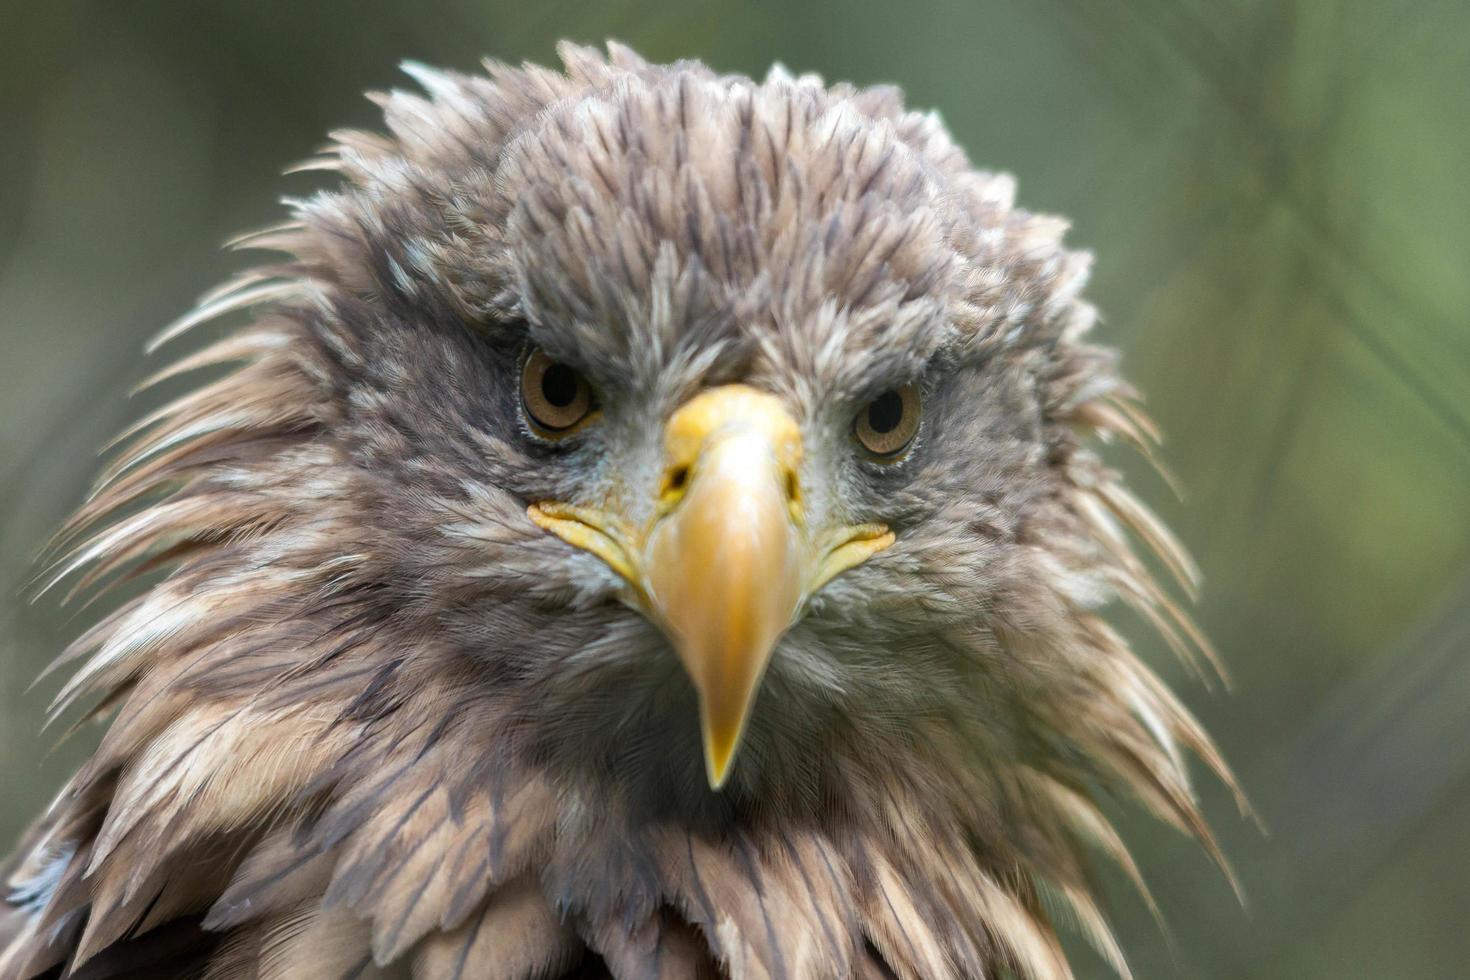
x: 887, y: 425
x: 556, y: 397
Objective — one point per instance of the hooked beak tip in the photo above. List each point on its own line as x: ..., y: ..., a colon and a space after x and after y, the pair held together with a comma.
x: 718, y: 759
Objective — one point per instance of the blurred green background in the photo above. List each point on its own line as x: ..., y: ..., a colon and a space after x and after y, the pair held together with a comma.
x: 1278, y: 196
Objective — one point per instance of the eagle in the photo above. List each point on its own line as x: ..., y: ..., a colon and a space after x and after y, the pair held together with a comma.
x: 651, y: 524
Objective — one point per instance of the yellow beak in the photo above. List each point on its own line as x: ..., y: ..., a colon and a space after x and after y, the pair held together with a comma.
x: 727, y: 559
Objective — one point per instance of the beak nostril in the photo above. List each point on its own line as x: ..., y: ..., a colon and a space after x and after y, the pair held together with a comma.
x: 793, y: 487
x: 676, y: 481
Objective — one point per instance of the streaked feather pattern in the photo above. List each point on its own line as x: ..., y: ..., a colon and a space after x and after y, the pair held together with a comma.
x: 372, y: 723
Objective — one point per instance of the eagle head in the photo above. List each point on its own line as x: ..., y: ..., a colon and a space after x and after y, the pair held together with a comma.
x: 648, y: 527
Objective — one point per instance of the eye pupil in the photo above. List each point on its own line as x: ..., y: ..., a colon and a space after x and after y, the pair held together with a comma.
x: 554, y: 396
x: 559, y: 385
x: 886, y: 425
x: 885, y: 413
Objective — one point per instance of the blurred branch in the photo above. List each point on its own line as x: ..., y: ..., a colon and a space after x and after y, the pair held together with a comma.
x: 1332, y: 260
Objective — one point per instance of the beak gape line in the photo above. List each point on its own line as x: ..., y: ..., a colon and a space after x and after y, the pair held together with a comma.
x: 728, y: 560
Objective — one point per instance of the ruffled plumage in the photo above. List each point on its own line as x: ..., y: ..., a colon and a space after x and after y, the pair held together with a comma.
x: 359, y: 729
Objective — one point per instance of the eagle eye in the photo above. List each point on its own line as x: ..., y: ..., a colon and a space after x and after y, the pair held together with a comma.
x: 886, y: 425
x: 556, y: 398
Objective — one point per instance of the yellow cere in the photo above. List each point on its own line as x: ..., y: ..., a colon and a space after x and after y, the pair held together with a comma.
x: 708, y: 413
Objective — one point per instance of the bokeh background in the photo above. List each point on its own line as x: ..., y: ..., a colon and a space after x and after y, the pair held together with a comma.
x: 1277, y: 192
